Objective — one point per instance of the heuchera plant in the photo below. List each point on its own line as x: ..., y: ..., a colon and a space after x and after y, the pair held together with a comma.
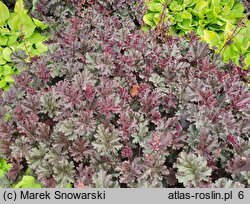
x: 111, y: 106
x: 220, y: 23
x: 18, y: 31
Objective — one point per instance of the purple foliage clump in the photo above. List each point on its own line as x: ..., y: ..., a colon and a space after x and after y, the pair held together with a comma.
x: 111, y: 106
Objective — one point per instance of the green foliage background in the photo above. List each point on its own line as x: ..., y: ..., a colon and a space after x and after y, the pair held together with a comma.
x: 220, y: 23
x: 18, y: 31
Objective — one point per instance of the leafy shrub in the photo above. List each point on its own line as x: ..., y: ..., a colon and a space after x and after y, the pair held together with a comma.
x: 17, y: 31
x: 221, y: 23
x: 110, y: 106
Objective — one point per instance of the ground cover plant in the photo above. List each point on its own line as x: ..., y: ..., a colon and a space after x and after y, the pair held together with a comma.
x: 111, y: 106
x: 223, y: 24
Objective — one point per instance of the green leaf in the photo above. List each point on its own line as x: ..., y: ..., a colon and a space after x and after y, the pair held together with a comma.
x: 2, y: 60
x: 178, y: 17
x: 7, y: 118
x: 4, y: 167
x: 238, y: 7
x: 185, y: 25
x: 230, y: 3
x: 212, y: 38
x: 231, y: 53
x: 149, y: 20
x: 216, y: 11
x: 1, y: 173
x: 187, y: 2
x: 157, y: 18
x: 19, y: 7
x: 237, y: 12
x: 6, y: 54
x: 186, y: 15
x: 2, y: 83
x: 8, y: 78
x: 6, y: 87
x: 28, y: 182
x: 23, y: 23
x: 145, y: 28
x: 163, y: 1
x: 155, y: 7
x: 214, y: 3
x: 228, y: 30
x: 4, y: 31
x: 247, y: 59
x: 176, y: 7
x: 12, y: 39
x: 4, y: 13
x: 226, y: 54
x: 40, y: 24
x: 36, y: 37
x: 225, y: 11
x: 39, y: 49
x: 3, y: 40
x: 200, y: 6
x: 69, y: 185
x: 5, y: 70
x: 245, y: 32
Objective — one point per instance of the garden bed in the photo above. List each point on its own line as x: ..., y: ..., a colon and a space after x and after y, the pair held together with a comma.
x: 107, y: 105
